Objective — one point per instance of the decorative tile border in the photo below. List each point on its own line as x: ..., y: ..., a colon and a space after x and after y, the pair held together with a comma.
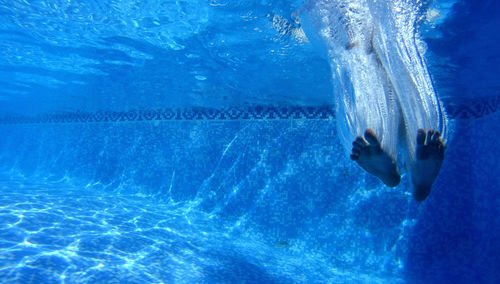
x: 467, y: 110
x: 474, y: 108
x: 195, y: 113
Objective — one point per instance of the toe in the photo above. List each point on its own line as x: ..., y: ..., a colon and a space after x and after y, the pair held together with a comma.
x: 356, y: 151
x: 371, y: 137
x: 357, y: 146
x: 441, y: 148
x: 430, y: 133
x: 360, y: 142
x: 435, y: 137
x: 420, y: 137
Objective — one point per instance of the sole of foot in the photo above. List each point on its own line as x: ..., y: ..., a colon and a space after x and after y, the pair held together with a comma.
x: 370, y: 156
x: 429, y: 158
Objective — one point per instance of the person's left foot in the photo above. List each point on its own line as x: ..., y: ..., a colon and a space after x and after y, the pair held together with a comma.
x: 430, y: 155
x: 373, y: 159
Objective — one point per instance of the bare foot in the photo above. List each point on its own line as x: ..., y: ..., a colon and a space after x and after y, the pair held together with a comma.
x: 372, y: 158
x: 430, y: 155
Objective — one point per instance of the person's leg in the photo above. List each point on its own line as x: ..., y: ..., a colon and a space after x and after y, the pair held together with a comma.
x: 365, y: 101
x: 371, y: 117
x: 398, y: 46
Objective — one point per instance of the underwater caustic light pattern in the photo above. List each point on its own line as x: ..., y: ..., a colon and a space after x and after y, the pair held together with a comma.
x: 51, y: 233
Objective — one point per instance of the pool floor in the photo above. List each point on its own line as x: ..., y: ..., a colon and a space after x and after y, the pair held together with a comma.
x: 53, y: 233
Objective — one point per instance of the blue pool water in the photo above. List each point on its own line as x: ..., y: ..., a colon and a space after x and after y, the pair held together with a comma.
x: 195, y: 141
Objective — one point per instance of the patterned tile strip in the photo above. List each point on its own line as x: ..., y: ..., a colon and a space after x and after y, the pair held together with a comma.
x: 474, y: 108
x: 196, y: 113
x: 467, y: 110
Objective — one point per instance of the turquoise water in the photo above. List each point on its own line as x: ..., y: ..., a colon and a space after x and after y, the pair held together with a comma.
x: 197, y: 142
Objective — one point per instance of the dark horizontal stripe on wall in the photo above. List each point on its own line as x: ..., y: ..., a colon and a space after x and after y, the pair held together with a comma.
x: 169, y: 114
x: 466, y: 110
x: 474, y: 108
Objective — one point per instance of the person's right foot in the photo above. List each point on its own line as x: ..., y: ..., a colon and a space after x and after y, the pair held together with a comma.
x: 430, y: 155
x: 371, y: 157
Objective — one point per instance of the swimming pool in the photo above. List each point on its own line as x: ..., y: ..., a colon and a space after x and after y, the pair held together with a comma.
x: 195, y: 142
